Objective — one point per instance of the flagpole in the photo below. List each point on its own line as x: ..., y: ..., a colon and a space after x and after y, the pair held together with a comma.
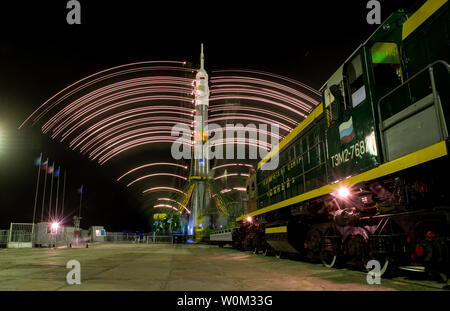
x: 81, y: 198
x: 43, y: 195
x: 57, y: 193
x: 37, y: 191
x: 64, y: 194
x: 51, y: 192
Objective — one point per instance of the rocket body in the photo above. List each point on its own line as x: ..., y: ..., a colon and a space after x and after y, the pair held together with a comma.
x: 201, y: 195
x: 201, y: 167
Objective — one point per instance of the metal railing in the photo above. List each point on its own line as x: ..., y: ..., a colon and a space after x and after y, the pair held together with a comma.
x: 223, y: 231
x: 430, y: 100
x: 148, y: 238
x: 222, y: 235
x: 20, y: 235
x: 4, y: 236
x: 159, y: 239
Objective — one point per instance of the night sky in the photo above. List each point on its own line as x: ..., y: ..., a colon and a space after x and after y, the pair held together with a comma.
x: 40, y: 54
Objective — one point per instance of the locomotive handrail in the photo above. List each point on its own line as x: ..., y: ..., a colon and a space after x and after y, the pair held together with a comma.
x: 446, y: 65
x: 435, y: 101
x: 417, y: 212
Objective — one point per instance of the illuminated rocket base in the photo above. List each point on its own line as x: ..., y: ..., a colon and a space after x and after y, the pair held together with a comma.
x: 200, y: 206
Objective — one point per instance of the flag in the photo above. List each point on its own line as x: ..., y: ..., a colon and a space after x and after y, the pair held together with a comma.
x: 56, y: 174
x: 346, y: 131
x: 51, y: 169
x: 44, y: 165
x: 80, y: 190
x: 37, y: 162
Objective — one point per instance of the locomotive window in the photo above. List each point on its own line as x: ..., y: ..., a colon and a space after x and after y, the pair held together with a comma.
x: 356, y: 81
x: 299, y: 148
x: 310, y: 144
x: 330, y: 105
x: 386, y: 64
x: 334, y: 96
x: 317, y: 138
x: 328, y: 96
x: 305, y: 146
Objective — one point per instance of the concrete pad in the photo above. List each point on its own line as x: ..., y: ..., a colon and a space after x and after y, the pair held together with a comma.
x: 187, y: 267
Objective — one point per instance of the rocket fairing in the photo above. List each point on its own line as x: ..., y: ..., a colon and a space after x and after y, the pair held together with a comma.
x: 201, y: 120
x: 201, y: 83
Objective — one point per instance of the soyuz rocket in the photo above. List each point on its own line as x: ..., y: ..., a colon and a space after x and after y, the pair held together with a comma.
x: 201, y: 167
x: 201, y: 195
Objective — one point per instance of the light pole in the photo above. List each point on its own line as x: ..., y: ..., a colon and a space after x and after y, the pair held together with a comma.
x: 80, y: 191
x: 36, y: 195
x: 45, y: 184
x: 63, y: 195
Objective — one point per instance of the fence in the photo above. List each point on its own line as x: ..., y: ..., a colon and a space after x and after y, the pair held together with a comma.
x: 159, y: 239
x: 20, y: 235
x: 119, y: 237
x: 4, y: 237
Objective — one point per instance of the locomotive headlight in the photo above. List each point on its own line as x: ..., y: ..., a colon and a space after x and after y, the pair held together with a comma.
x: 249, y: 219
x: 343, y: 192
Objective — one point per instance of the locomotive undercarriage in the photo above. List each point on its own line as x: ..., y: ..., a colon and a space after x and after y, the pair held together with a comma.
x: 401, y: 221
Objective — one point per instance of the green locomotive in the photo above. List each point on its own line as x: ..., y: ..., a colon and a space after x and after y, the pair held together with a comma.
x: 364, y: 176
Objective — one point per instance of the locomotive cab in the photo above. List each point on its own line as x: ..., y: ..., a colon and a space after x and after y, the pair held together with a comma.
x: 361, y: 177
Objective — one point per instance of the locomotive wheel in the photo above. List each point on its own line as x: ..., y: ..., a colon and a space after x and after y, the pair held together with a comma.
x: 255, y: 251
x: 328, y: 258
x: 357, y: 251
x: 312, y: 245
x: 386, y: 266
x: 267, y: 252
x: 280, y: 255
